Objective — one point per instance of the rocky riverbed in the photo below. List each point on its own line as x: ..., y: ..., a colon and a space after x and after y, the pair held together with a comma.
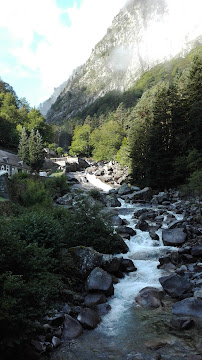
x: 146, y: 303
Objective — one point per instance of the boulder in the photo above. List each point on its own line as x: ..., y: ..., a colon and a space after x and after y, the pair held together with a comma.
x: 142, y: 225
x: 103, y: 309
x: 175, y: 285
x: 144, y: 194
x: 94, y: 299
x: 127, y: 265
x: 197, y: 250
x: 100, y: 281
x: 124, y: 189
x: 87, y: 259
x: 111, y: 264
x: 188, y: 307
x: 56, y: 341
x: 111, y: 201
x: 152, y: 233
x: 89, y: 318
x: 127, y: 230
x: 182, y: 323
x: 72, y: 328
x: 149, y: 297
x: 173, y: 237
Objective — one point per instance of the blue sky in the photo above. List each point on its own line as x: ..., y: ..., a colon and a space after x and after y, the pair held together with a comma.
x: 42, y: 41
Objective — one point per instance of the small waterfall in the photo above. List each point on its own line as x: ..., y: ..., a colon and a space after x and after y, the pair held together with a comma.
x: 98, y: 183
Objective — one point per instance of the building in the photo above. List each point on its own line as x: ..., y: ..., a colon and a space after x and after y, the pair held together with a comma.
x: 11, y: 163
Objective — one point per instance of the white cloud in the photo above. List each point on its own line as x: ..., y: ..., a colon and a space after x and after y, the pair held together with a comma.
x: 61, y: 49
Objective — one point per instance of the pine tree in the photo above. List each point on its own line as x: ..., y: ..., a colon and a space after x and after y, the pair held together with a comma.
x: 36, y: 154
x: 23, y: 148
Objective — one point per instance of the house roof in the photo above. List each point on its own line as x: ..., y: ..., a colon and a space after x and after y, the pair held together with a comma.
x: 8, y: 158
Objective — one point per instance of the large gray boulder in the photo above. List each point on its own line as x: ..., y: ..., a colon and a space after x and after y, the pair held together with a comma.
x: 111, y: 264
x: 124, y: 189
x: 94, y: 299
x: 173, y: 237
x: 89, y: 318
x: 144, y: 194
x: 72, y: 328
x: 87, y: 259
x: 100, y: 281
x: 197, y: 250
x: 175, y: 285
x: 150, y: 297
x: 188, y: 307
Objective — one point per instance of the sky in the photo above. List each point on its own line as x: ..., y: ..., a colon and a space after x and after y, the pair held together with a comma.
x: 43, y: 41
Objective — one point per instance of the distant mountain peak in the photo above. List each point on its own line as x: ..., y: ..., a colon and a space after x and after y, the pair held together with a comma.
x: 143, y: 34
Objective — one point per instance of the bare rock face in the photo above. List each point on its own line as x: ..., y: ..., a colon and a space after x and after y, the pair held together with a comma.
x: 126, y: 51
x: 100, y: 281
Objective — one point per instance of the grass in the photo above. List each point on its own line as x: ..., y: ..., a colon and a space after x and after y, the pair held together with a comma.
x: 57, y: 173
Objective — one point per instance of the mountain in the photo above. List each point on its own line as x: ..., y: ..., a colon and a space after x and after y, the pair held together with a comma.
x: 46, y: 105
x: 143, y: 34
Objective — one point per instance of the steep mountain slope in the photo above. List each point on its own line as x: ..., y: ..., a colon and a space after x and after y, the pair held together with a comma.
x: 142, y: 35
x: 46, y: 105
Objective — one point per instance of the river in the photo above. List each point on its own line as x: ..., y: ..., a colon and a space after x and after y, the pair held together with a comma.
x: 127, y: 331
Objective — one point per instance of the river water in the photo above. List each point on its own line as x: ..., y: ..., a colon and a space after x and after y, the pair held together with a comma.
x: 127, y: 331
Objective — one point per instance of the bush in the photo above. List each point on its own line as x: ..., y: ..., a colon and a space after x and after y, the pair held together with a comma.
x: 40, y: 228
x: 57, y: 185
x: 28, y: 287
x: 86, y: 225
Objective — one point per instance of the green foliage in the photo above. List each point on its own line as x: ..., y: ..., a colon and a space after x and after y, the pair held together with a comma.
x: 93, y: 228
x: 107, y: 141
x: 23, y: 148
x: 57, y: 185
x: 35, y: 193
x: 28, y: 285
x: 123, y: 154
x: 59, y: 151
x: 81, y: 141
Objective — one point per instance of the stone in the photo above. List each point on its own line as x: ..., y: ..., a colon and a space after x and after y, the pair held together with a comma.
x: 142, y: 225
x: 182, y: 323
x: 175, y: 285
x: 150, y: 297
x: 127, y: 230
x: 100, y: 281
x: 94, y: 299
x: 87, y: 259
x: 89, y: 318
x: 110, y: 264
x: 173, y: 237
x: 127, y: 265
x: 152, y: 233
x: 197, y: 250
x: 124, y: 189
x: 72, y: 328
x: 38, y: 346
x: 144, y: 194
x: 188, y: 307
x: 57, y: 320
x: 103, y: 309
x: 56, y: 341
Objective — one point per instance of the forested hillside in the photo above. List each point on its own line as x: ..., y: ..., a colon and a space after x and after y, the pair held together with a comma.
x: 16, y: 114
x: 155, y: 127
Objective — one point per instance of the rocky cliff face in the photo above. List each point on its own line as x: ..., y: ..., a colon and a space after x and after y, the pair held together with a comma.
x: 46, y: 105
x: 142, y: 35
